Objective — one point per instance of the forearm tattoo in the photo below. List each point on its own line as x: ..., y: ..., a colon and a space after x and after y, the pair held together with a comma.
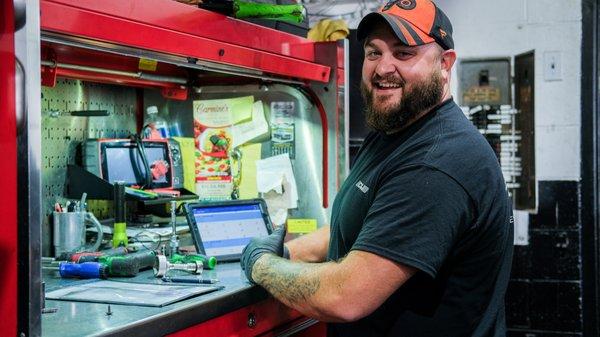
x: 291, y: 282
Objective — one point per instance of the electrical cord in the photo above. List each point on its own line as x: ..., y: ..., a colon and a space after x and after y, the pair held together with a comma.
x: 138, y: 236
x: 142, y: 151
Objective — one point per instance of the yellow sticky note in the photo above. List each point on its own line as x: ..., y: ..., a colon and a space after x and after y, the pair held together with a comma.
x: 188, y: 157
x: 250, y: 154
x: 146, y: 64
x: 301, y: 226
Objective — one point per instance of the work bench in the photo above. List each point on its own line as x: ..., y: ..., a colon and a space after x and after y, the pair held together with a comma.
x: 78, y: 70
x: 239, y: 309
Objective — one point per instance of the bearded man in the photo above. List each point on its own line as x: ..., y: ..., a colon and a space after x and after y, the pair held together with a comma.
x: 420, y: 241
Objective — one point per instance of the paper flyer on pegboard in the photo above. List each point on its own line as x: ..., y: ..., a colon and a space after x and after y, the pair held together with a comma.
x: 213, y: 134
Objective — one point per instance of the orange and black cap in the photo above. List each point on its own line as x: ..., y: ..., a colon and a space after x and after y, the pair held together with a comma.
x: 415, y: 22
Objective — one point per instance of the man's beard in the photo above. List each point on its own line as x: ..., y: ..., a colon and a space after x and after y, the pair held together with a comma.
x: 421, y: 97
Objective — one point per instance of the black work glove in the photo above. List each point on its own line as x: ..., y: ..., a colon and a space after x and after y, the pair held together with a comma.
x: 272, y: 244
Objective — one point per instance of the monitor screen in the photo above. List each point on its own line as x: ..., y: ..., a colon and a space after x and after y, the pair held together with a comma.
x: 226, y: 230
x: 121, y: 162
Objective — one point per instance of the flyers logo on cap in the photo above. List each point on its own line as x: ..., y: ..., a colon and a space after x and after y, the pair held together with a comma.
x: 403, y: 4
x: 443, y: 33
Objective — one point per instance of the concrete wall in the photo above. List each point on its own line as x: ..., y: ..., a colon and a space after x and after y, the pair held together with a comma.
x: 488, y: 28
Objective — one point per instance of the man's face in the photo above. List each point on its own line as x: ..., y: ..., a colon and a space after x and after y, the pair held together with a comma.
x: 398, y: 82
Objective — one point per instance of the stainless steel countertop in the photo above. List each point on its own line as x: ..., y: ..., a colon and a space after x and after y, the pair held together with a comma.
x: 90, y: 319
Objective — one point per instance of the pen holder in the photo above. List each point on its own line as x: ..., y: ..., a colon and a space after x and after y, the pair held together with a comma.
x: 69, y: 231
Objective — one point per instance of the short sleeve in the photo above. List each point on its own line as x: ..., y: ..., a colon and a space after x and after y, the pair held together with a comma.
x: 415, y: 218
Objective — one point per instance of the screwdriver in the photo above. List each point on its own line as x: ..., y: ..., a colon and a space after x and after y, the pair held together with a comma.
x: 90, y: 256
x: 82, y: 270
x: 130, y: 264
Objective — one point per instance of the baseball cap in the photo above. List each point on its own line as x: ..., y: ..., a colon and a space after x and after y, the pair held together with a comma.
x: 415, y: 22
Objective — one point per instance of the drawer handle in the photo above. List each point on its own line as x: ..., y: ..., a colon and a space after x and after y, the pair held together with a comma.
x: 251, y: 320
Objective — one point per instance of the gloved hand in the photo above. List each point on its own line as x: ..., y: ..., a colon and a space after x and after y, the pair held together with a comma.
x: 272, y: 244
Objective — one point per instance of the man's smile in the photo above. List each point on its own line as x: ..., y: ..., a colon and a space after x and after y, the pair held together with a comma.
x: 387, y: 85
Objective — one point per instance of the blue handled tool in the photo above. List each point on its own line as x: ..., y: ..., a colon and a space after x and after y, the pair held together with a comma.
x: 82, y: 270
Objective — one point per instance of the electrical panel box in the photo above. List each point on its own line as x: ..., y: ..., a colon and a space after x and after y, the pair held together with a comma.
x: 485, y: 97
x: 484, y: 81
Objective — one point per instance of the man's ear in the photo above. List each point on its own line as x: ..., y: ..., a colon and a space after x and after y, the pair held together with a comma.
x: 447, y: 59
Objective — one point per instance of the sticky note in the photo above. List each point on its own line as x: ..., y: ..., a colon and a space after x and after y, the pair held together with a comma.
x: 146, y: 64
x: 250, y: 154
x: 188, y: 157
x: 300, y: 226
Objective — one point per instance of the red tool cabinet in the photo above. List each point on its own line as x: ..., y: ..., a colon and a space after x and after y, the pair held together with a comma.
x: 108, y: 42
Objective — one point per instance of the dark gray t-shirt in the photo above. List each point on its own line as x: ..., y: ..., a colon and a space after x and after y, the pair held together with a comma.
x: 431, y: 197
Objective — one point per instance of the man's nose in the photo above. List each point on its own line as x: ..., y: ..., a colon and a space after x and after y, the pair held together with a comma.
x: 385, y: 66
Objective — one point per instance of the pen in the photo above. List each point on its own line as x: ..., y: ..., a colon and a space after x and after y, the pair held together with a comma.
x: 140, y: 193
x: 190, y: 280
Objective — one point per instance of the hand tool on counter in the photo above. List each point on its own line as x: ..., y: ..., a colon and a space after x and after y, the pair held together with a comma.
x: 174, y: 242
x: 189, y: 280
x: 81, y: 270
x: 82, y: 204
x: 80, y: 257
x: 162, y: 266
x: 130, y: 264
x: 120, y: 228
x: 106, y: 265
x: 209, y: 262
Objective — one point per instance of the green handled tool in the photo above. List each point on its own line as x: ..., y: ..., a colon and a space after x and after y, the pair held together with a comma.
x: 295, y: 13
x: 120, y: 229
x: 130, y: 264
x: 209, y: 262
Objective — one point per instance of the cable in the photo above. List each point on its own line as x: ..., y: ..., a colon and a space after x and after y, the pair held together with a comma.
x: 136, y: 238
x: 142, y: 151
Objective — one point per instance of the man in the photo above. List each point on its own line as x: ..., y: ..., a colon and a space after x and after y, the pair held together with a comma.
x: 420, y: 242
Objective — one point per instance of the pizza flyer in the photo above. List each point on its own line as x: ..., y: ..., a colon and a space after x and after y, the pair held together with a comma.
x: 213, y: 135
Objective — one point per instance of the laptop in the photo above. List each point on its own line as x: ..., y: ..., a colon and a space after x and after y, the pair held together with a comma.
x: 222, y: 229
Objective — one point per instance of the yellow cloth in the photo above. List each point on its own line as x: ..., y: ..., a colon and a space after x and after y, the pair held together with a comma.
x: 329, y: 30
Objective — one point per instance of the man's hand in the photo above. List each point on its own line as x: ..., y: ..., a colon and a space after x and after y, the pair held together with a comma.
x: 272, y: 244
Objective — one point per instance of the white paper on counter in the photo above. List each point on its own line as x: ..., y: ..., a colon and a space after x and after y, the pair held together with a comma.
x: 126, y: 293
x: 256, y: 127
x: 270, y: 174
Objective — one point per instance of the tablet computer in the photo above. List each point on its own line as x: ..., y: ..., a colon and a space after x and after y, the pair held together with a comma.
x: 222, y: 229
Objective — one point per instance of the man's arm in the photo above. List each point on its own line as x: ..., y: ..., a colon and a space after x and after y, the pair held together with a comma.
x: 341, y: 291
x: 310, y: 247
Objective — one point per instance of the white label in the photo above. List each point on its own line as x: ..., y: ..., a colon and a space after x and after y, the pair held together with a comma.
x: 521, y: 228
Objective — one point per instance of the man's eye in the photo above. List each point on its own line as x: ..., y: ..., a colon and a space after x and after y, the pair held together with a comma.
x: 371, y: 54
x: 403, y: 55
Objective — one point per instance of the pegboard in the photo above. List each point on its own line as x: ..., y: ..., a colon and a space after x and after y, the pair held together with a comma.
x: 62, y: 133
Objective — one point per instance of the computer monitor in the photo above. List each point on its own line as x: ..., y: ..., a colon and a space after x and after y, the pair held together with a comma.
x: 120, y: 160
x: 223, y: 229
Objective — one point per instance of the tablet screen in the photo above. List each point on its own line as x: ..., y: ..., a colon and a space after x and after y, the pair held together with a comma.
x: 226, y: 229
